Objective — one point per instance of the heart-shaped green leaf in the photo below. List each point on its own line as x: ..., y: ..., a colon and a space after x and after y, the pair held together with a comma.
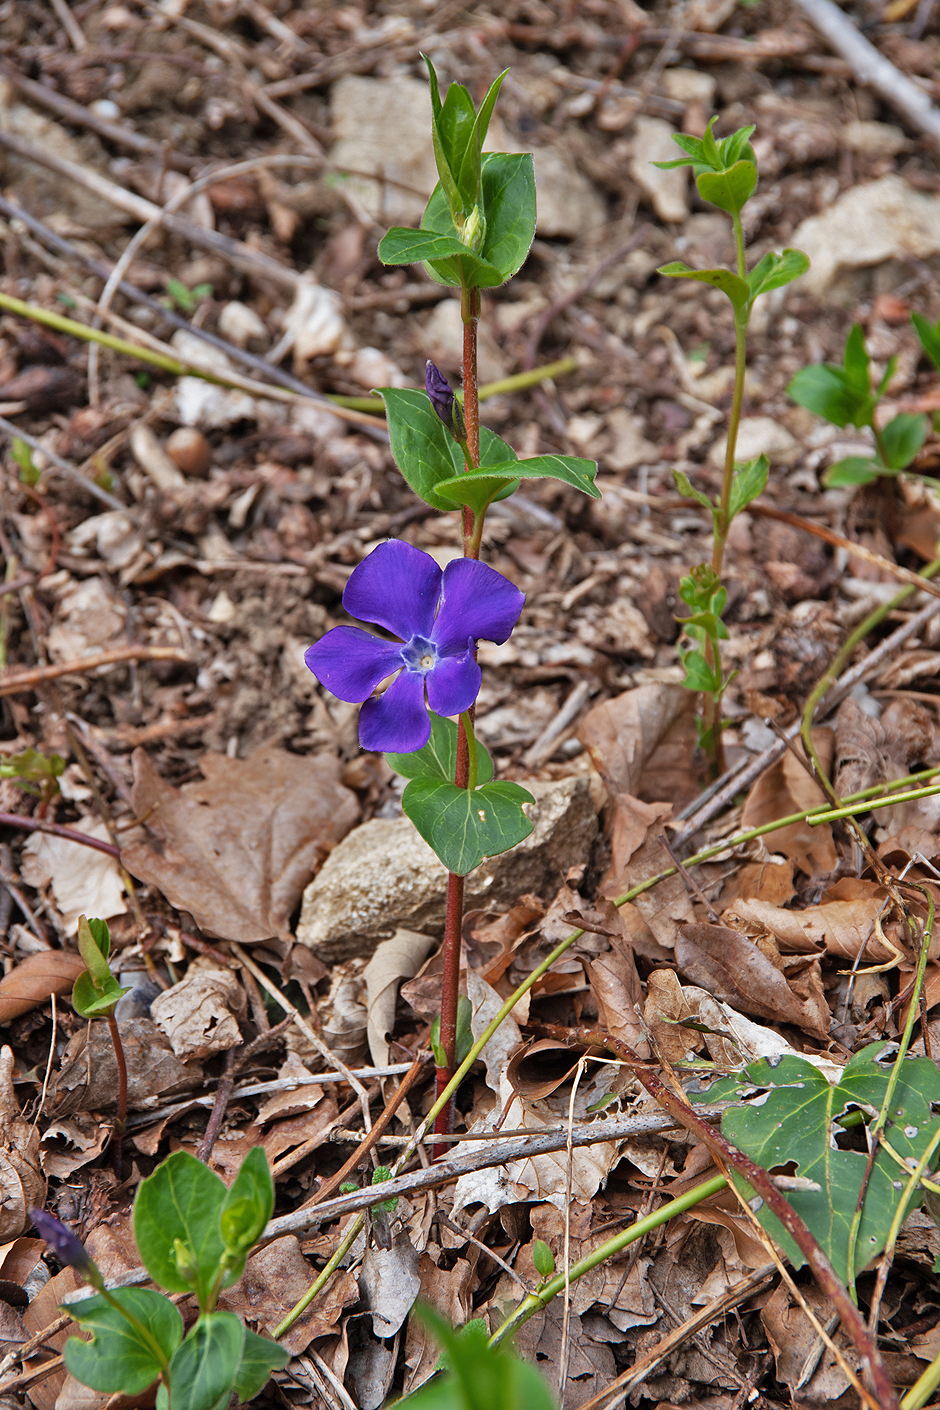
x: 438, y: 758
x: 465, y: 825
x: 728, y: 190
x: 121, y: 1356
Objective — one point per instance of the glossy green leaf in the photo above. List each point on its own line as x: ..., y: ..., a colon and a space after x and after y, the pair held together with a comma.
x: 402, y: 246
x: 469, y: 176
x: 750, y: 480
x: 685, y: 487
x: 929, y: 335
x: 857, y: 362
x: 479, y: 1376
x: 462, y: 825
x: 479, y: 487
x: 203, y: 1370
x: 796, y: 1124
x: 735, y: 288
x: 94, y: 946
x: 120, y: 1356
x: 474, y: 268
x: 260, y: 1356
x: 774, y: 271
x: 451, y: 125
x: 181, y: 1200
x: 93, y: 1000
x: 248, y: 1204
x: 543, y: 1258
x: 728, y: 190
x: 438, y: 758
x: 424, y: 450
x: 825, y: 390
x: 853, y: 470
x: 902, y: 438
x: 507, y: 193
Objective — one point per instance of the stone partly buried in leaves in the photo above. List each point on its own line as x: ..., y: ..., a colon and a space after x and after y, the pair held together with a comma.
x: 438, y: 616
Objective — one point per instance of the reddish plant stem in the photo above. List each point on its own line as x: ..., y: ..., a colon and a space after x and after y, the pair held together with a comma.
x: 121, y: 1122
x: 57, y: 830
x: 470, y: 313
x: 762, y: 1185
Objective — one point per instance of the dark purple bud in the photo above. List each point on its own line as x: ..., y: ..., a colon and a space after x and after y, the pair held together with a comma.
x: 66, y: 1247
x: 445, y: 404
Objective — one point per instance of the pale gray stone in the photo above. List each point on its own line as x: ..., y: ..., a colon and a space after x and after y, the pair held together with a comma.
x: 878, y: 221
x: 652, y: 142
x: 383, y: 876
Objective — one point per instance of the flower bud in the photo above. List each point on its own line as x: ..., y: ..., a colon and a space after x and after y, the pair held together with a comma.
x: 474, y: 229
x: 445, y: 404
x: 66, y: 1247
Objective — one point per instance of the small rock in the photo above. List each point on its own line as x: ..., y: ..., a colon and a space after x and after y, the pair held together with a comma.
x: 568, y: 204
x: 652, y: 142
x: 383, y: 876
x: 873, y: 139
x: 688, y: 86
x: 241, y: 325
x: 758, y: 435
x: 869, y: 224
x: 381, y: 126
x: 630, y: 448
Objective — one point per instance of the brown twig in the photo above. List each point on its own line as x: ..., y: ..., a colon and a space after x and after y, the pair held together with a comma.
x: 222, y: 1094
x: 13, y: 680
x: 763, y: 1186
x: 58, y: 830
x: 120, y: 1124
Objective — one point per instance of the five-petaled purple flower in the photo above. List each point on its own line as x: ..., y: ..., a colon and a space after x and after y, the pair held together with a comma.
x: 445, y: 404
x: 66, y: 1247
x: 439, y: 616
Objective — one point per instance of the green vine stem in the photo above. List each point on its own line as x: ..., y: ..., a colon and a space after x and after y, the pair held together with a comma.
x: 553, y: 1286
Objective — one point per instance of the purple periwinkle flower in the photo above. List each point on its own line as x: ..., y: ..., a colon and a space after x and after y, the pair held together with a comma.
x: 66, y: 1247
x: 439, y: 616
x: 445, y: 404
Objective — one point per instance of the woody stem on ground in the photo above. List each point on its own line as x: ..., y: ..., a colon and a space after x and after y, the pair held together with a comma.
x: 121, y: 1122
x: 453, y: 916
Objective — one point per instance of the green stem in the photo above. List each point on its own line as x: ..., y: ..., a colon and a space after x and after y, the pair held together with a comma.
x: 923, y: 1389
x: 544, y: 1294
x: 327, y: 1272
x: 836, y: 814
x: 467, y: 723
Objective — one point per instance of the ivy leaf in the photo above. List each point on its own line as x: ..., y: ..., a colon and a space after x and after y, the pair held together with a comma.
x: 479, y: 488
x: 796, y: 1122
x: 735, y: 288
x: 902, y: 438
x: 438, y: 758
x: 774, y: 271
x: 119, y: 1357
x: 750, y: 480
x: 465, y: 825
x: 728, y: 190
x: 181, y: 1203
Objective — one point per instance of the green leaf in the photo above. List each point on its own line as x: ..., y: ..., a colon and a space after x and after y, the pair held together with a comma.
x: 685, y: 487
x: 479, y: 487
x: 929, y: 335
x: 507, y: 188
x: 438, y: 758
x: 750, y: 480
x: 182, y: 1200
x: 886, y: 378
x: 543, y: 1258
x: 732, y: 149
x: 94, y: 946
x: 92, y: 1000
x: 462, y: 825
x: 854, y: 470
x: 480, y: 1376
x: 735, y: 288
x: 728, y: 190
x: 902, y: 438
x: 402, y: 246
x: 120, y: 1356
x: 857, y: 363
x: 699, y: 675
x: 824, y: 389
x: 468, y: 179
x: 260, y: 1356
x: 203, y: 1370
x: 796, y: 1122
x: 774, y: 270
x: 424, y: 450
x: 247, y: 1207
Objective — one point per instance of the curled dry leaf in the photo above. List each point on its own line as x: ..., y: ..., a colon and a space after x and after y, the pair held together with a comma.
x: 35, y: 979
x: 87, y: 1079
x: 396, y: 959
x: 637, y: 854
x: 72, y: 1142
x: 22, y: 1183
x: 198, y: 1015
x: 787, y: 788
x: 390, y: 1284
x: 643, y: 743
x: 84, y: 880
x: 733, y: 968
x: 237, y: 850
x: 617, y: 990
x: 845, y: 927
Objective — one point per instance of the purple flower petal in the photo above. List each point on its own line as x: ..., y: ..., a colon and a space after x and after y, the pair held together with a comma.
x: 454, y: 683
x: 396, y: 722
x: 351, y: 663
x: 397, y: 587
x: 477, y: 602
x: 64, y: 1244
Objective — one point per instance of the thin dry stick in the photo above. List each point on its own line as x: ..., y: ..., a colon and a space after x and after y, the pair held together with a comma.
x: 217, y: 1114
x: 331, y: 1059
x: 12, y: 681
x: 65, y: 467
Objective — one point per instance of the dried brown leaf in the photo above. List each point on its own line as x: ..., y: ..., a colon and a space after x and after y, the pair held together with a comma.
x: 617, y: 991
x: 841, y: 927
x: 636, y: 855
x: 732, y: 968
x: 787, y: 788
x: 200, y: 1014
x: 396, y: 959
x: 643, y: 743
x: 35, y: 979
x: 87, y: 1079
x: 237, y: 850
x: 274, y: 1280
